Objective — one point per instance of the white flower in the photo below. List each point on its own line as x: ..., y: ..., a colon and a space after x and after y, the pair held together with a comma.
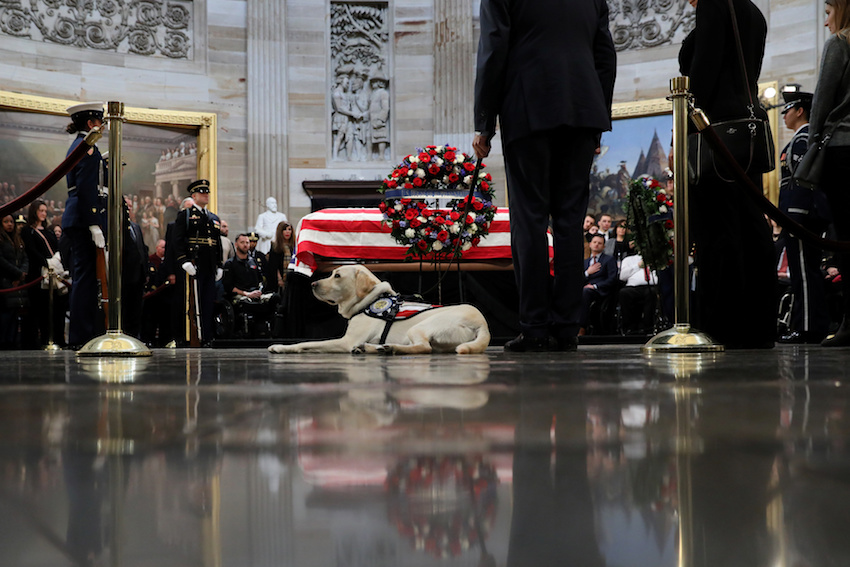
x: 437, y: 246
x: 455, y: 228
x: 466, y: 246
x: 459, y: 157
x: 662, y: 209
x: 422, y: 219
x: 467, y: 180
x: 420, y: 173
x: 398, y: 207
x: 438, y: 161
x: 441, y: 149
x: 473, y: 228
x: 413, y: 159
x: 410, y: 233
x: 670, y: 233
x: 482, y: 175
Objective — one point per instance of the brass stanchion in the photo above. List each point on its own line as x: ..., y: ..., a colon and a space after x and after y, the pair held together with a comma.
x: 115, y: 342
x: 681, y: 337
x: 51, y: 277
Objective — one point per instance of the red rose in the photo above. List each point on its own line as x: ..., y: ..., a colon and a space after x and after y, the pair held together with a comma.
x: 426, y: 212
x: 475, y: 241
x: 477, y: 205
x: 421, y: 205
x: 449, y: 156
x: 422, y: 245
x: 408, y: 186
x: 668, y: 224
x: 417, y: 182
x: 415, y: 223
x: 392, y: 184
x: 454, y: 215
x: 426, y: 231
x: 431, y: 147
x: 442, y: 235
x: 661, y: 197
x: 485, y: 185
x: 669, y: 203
x: 453, y: 177
x: 440, y: 220
x: 424, y: 157
x: 395, y: 224
x: 383, y: 206
x: 410, y: 214
x: 469, y: 166
x: 405, y: 201
x: 470, y: 219
x: 433, y: 169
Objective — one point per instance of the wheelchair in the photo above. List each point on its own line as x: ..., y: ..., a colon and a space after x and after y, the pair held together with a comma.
x: 238, y: 319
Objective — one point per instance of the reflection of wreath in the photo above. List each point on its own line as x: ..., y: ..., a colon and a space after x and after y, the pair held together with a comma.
x: 649, y: 217
x: 443, y: 505
x: 437, y: 172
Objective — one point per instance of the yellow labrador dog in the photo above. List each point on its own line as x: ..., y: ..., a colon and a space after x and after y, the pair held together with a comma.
x: 368, y: 302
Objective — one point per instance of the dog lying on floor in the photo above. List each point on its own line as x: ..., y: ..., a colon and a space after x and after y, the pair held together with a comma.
x: 371, y: 306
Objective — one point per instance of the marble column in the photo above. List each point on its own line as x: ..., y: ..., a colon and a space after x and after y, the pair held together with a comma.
x: 454, y: 73
x: 267, y: 101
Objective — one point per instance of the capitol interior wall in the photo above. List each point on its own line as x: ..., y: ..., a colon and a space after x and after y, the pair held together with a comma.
x: 428, y: 95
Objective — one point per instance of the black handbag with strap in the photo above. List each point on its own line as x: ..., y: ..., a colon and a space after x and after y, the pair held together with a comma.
x: 749, y: 139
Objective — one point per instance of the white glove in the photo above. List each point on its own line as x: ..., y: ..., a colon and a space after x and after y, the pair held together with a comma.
x: 219, y: 273
x: 97, y: 236
x: 189, y: 268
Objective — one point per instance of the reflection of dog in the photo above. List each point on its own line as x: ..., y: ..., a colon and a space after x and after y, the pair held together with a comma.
x: 354, y: 289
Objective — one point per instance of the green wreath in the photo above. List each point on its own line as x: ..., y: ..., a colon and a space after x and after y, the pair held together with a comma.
x: 649, y: 215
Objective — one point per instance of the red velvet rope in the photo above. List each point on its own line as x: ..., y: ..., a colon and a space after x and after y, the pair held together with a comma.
x: 20, y: 287
x: 52, y: 178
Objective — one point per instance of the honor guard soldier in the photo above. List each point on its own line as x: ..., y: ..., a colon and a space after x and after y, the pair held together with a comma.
x: 83, y: 223
x: 197, y: 242
x: 809, y: 314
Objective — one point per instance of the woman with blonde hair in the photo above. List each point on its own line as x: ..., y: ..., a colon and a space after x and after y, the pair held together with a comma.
x: 830, y: 122
x: 283, y: 247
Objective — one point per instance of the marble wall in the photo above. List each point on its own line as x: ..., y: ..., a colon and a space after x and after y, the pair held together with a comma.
x: 266, y: 68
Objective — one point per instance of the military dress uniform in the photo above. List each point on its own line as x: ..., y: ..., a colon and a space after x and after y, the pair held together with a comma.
x: 84, y: 208
x: 197, y: 239
x: 810, y: 315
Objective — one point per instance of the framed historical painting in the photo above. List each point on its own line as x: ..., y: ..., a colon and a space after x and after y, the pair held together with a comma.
x: 640, y: 143
x: 163, y: 152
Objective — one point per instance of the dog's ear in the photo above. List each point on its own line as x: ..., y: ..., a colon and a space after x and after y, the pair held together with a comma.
x: 364, y: 282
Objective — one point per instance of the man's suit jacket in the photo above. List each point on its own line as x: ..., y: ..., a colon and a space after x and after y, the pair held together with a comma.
x: 544, y: 64
x: 605, y: 278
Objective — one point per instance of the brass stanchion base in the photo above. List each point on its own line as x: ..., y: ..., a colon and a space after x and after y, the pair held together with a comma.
x: 681, y: 338
x: 114, y: 369
x: 171, y: 344
x: 52, y: 347
x: 114, y: 343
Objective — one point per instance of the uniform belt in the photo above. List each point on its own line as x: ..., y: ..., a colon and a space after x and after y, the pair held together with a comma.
x: 797, y: 211
x: 206, y: 241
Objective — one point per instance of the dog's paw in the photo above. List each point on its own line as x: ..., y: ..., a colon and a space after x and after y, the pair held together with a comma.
x: 384, y: 349
x: 359, y: 349
x: 277, y: 349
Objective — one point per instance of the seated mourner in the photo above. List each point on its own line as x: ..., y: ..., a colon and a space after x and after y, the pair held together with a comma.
x: 243, y: 282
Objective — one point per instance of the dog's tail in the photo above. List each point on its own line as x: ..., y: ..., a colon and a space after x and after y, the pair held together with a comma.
x: 477, y: 345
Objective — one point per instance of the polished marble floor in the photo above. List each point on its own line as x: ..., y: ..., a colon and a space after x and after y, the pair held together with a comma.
x: 239, y: 458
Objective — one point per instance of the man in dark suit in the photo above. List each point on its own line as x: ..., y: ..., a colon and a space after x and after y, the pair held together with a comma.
x: 546, y: 69
x: 600, y: 277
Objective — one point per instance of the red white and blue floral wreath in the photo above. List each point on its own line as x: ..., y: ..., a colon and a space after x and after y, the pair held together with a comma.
x: 437, y: 172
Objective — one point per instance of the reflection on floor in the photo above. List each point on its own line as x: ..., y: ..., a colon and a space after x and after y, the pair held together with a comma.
x: 604, y: 457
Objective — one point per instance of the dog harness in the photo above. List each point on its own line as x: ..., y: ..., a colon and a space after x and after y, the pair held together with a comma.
x: 391, y: 308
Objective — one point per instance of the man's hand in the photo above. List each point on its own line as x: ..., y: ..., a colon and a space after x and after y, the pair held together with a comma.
x: 253, y: 294
x: 219, y: 273
x: 593, y: 268
x: 589, y: 286
x: 189, y: 268
x: 172, y: 279
x: 97, y: 236
x: 481, y: 145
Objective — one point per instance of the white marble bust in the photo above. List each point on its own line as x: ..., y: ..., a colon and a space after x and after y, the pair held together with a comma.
x: 267, y: 224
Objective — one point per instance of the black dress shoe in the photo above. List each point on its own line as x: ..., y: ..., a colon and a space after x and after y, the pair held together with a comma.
x: 527, y: 344
x: 841, y: 338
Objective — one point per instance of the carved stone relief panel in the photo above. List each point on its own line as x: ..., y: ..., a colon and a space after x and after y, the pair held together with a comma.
x: 360, y: 90
x: 159, y: 28
x: 638, y: 24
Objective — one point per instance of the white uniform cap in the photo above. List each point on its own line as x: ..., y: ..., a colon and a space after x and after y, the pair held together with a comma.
x: 85, y: 107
